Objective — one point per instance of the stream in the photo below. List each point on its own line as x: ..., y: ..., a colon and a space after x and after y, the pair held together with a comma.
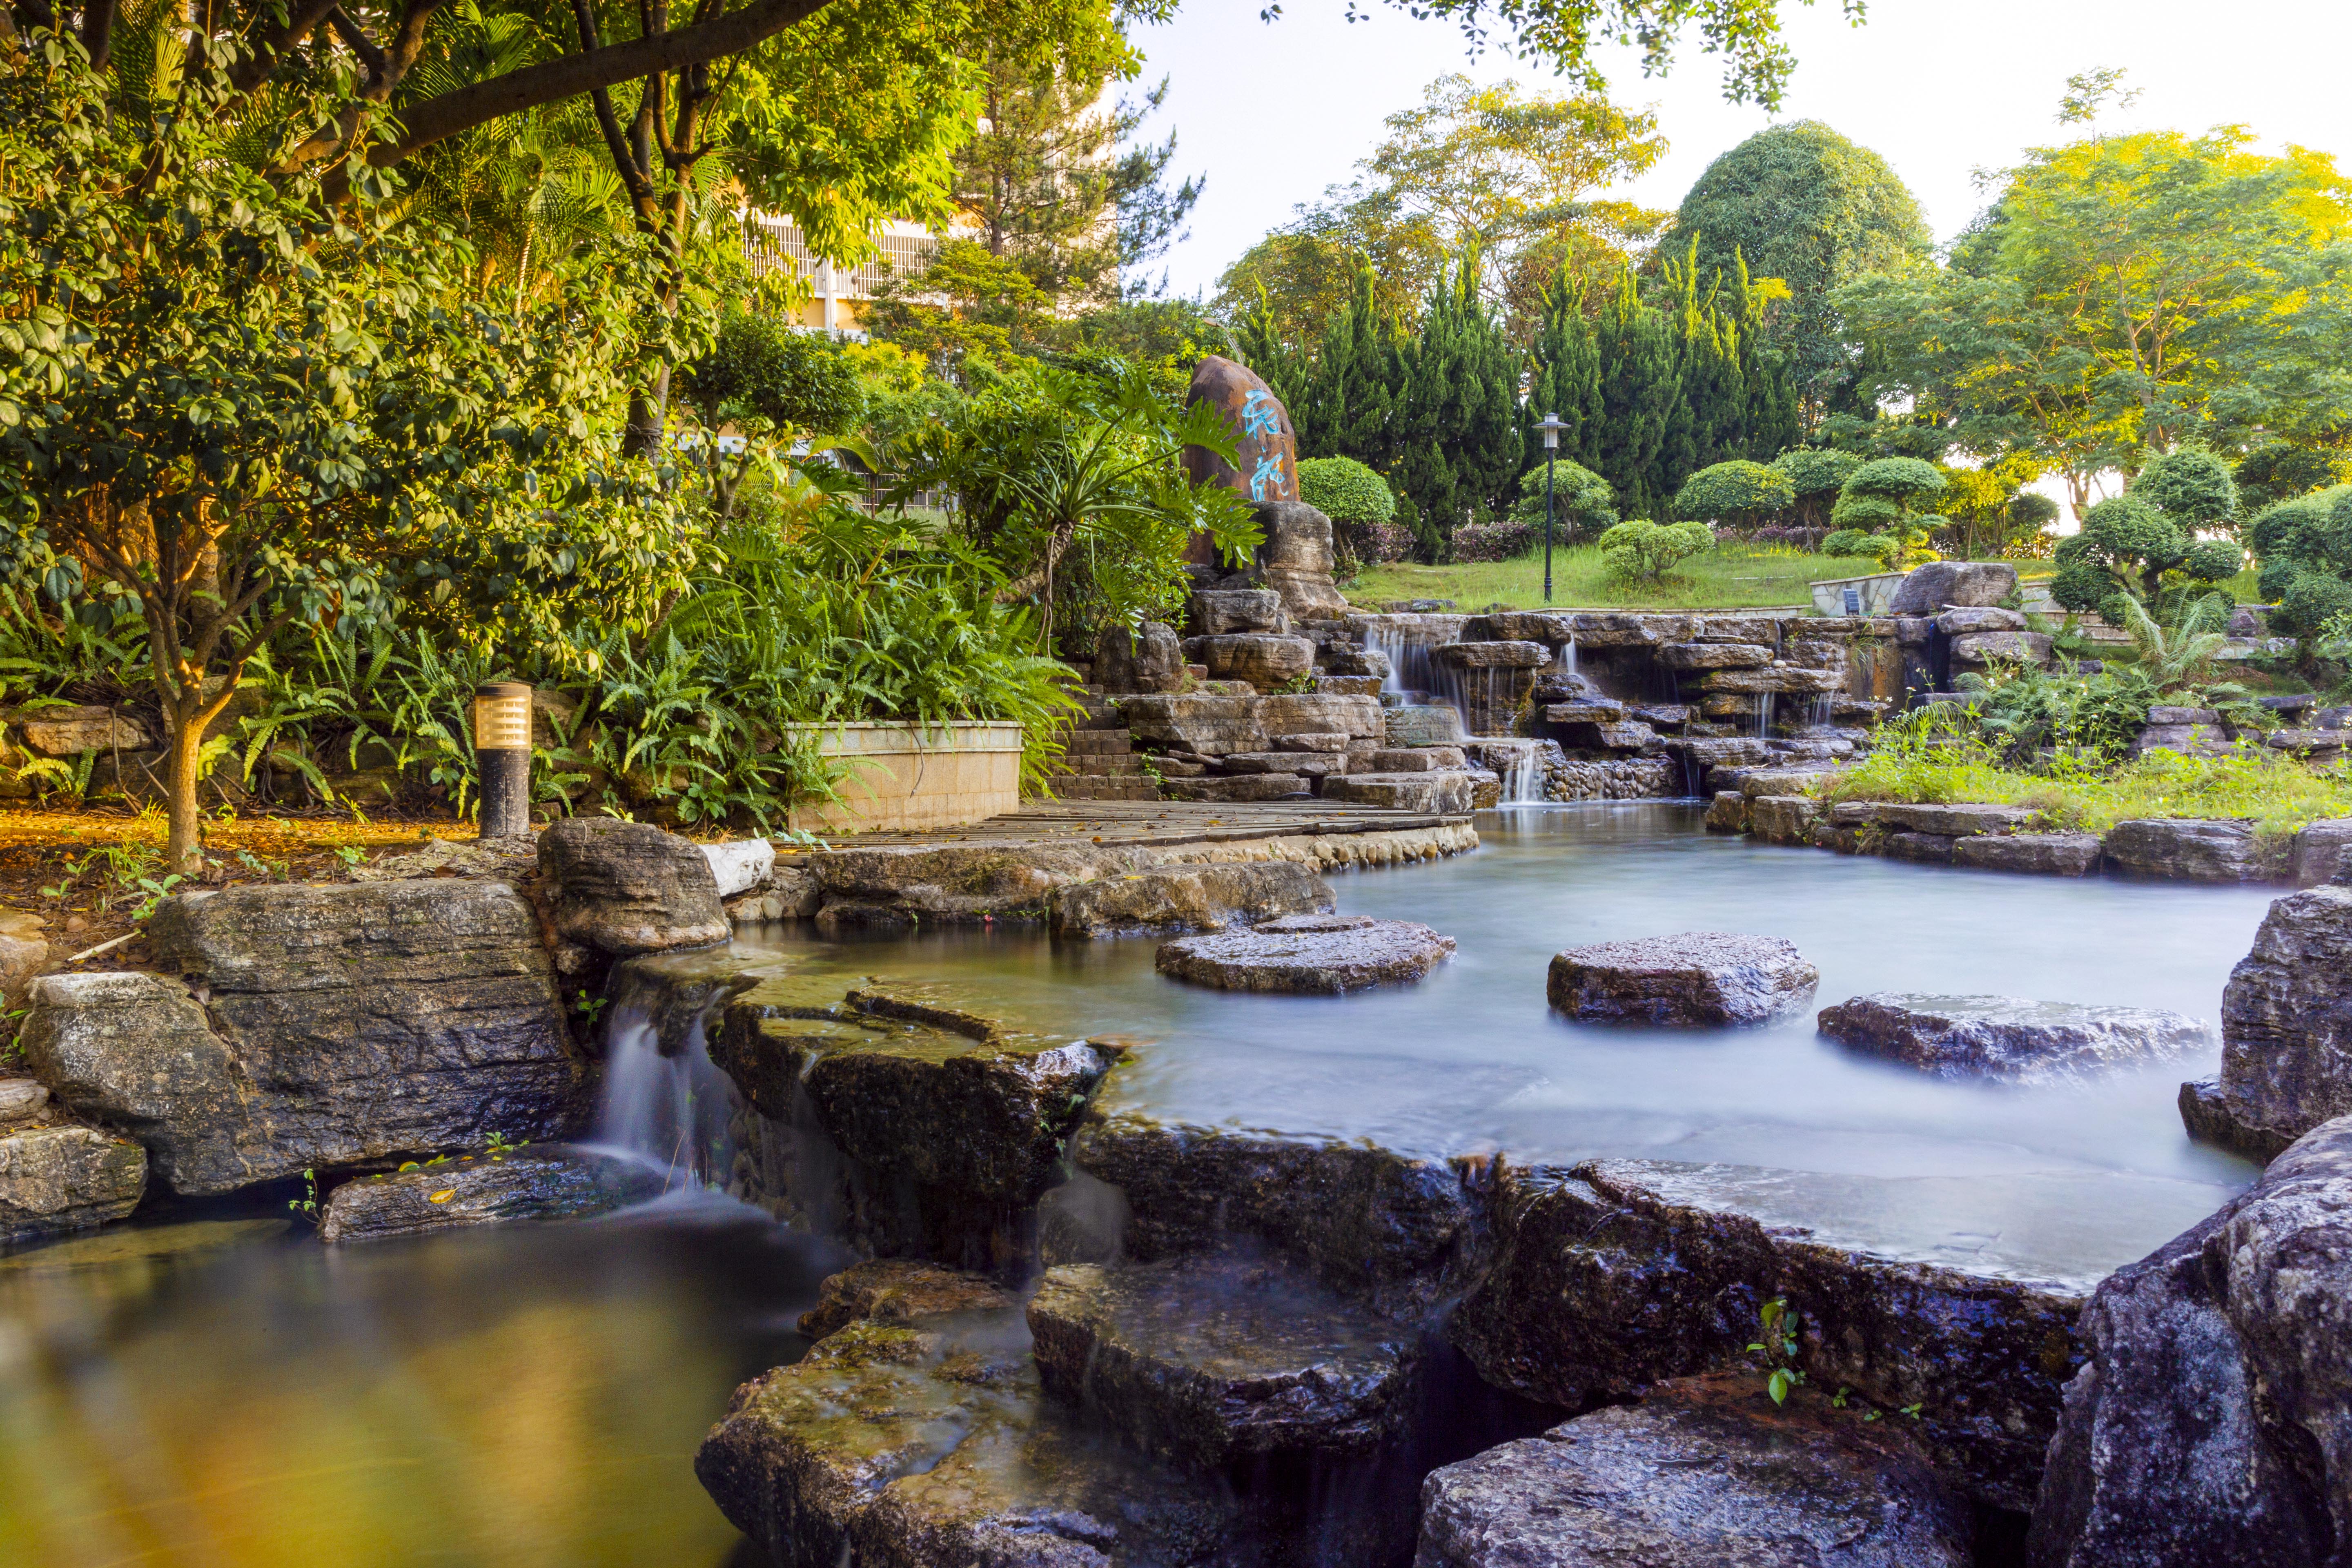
x: 212, y: 1389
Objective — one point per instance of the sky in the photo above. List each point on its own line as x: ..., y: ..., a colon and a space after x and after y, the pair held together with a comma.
x: 1272, y: 114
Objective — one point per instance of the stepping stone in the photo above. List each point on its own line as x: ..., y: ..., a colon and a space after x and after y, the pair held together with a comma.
x: 2007, y: 1036
x: 1710, y: 1475
x: 1184, y: 898
x: 534, y: 1184
x: 899, y: 1291
x: 1221, y: 1357
x: 1321, y: 953
x: 1693, y: 980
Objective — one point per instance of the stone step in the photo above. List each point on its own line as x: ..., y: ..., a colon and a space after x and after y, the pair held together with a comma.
x: 1097, y: 786
x: 1101, y: 767
x: 1098, y: 742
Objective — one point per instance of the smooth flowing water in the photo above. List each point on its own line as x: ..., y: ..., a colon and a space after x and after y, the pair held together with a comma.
x: 2059, y: 1183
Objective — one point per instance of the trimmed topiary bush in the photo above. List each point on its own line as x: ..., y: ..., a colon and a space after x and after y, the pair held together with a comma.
x: 1816, y: 474
x: 1639, y: 551
x: 1739, y: 492
x: 1582, y: 500
x: 1881, y: 499
x: 2305, y: 549
x: 1344, y: 491
x: 2129, y: 543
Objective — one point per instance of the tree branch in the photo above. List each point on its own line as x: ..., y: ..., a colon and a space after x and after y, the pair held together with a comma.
x: 436, y: 118
x: 254, y: 68
x: 97, y: 31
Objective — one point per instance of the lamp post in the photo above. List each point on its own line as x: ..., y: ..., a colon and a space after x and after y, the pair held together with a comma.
x: 502, y: 748
x: 1551, y: 425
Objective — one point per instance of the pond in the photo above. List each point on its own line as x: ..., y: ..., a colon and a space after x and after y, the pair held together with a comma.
x: 216, y: 1391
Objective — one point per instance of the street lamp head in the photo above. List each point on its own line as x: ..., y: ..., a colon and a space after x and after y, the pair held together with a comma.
x: 1551, y: 425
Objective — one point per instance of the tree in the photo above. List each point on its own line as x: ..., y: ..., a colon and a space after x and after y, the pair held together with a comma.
x: 1581, y: 501
x: 1816, y: 475
x: 230, y: 406
x: 1801, y: 204
x: 1641, y: 383
x: 1983, y: 501
x: 2129, y: 542
x: 2305, y: 549
x: 1877, y: 512
x: 2276, y: 471
x: 1457, y: 420
x: 1564, y: 370
x: 1739, y: 492
x: 769, y: 381
x: 2125, y: 294
x: 1347, y: 402
x: 1639, y: 551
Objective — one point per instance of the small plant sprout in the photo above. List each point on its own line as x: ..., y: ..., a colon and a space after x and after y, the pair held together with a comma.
x: 499, y: 1146
x: 1779, y: 1348
x: 307, y: 1205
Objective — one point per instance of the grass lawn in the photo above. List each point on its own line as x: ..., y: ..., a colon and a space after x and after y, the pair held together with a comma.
x: 1729, y: 577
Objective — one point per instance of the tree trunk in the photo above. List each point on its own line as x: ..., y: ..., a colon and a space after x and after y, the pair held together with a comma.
x: 182, y: 852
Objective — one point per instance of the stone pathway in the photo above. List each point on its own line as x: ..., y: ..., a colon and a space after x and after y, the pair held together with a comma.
x: 1064, y: 822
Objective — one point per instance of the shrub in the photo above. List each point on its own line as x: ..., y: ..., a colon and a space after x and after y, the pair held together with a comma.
x: 1506, y: 539
x: 1816, y: 474
x: 2130, y: 543
x: 1881, y: 497
x: 1377, y: 541
x: 1880, y: 547
x: 1346, y: 491
x: 1582, y: 500
x: 2305, y: 549
x: 1735, y: 492
x: 1639, y: 551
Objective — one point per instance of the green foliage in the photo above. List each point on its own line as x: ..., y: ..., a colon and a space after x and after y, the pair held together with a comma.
x: 1640, y: 385
x: 1883, y: 550
x: 2192, y: 487
x: 1801, y: 204
x: 768, y: 382
x: 1344, y: 491
x: 2128, y: 543
x: 1778, y: 1347
x: 1881, y: 499
x: 1581, y: 501
x: 1639, y: 551
x: 2304, y: 546
x: 1816, y: 475
x: 1456, y: 423
x: 2276, y: 471
x: 1737, y: 491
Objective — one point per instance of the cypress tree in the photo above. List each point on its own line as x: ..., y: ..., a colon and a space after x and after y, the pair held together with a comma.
x: 1348, y: 406
x: 1565, y: 376
x: 1640, y: 385
x: 1459, y: 422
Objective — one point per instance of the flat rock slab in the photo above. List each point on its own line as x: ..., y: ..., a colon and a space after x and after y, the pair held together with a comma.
x: 2038, y: 854
x: 895, y: 1444
x: 1185, y: 898
x: 1953, y: 821
x: 1327, y: 954
x: 2008, y: 1037
x: 55, y: 1179
x: 899, y: 1291
x: 2189, y: 849
x: 1220, y: 1357
x: 1440, y: 792
x: 1707, y: 1474
x: 554, y: 1182
x: 1693, y: 980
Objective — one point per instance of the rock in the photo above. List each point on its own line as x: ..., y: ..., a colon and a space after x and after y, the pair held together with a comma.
x: 2014, y: 648
x: 1210, y: 726
x: 1185, y: 898
x: 1493, y: 654
x: 2286, y: 1026
x: 1610, y: 628
x: 1926, y: 849
x: 1783, y: 818
x: 2046, y: 854
x: 900, y: 1290
x: 2190, y: 739
x: 1219, y: 1357
x: 1309, y: 766
x: 951, y: 882
x: 1664, y: 715
x: 1396, y: 1232
x: 1423, y: 726
x: 939, y: 1129
x: 1296, y: 558
x: 1757, y: 782
x: 628, y: 887
x: 55, y: 1179
x: 2161, y: 714
x: 1327, y: 954
x: 1148, y: 660
x: 1968, y: 583
x: 346, y: 1025
x: 1265, y: 662
x: 1962, y: 621
x: 1330, y: 745
x: 1241, y: 787
x: 2189, y: 849
x: 1727, y: 811
x: 1265, y: 441
x: 1727, y: 752
x: 21, y: 1098
x: 1707, y: 1473
x: 1485, y: 789
x: 2211, y: 1115
x: 1714, y: 655
x: 902, y: 1446
x: 513, y: 859
x: 552, y: 1183
x: 1953, y: 821
x: 1544, y: 626
x: 1303, y: 713
x: 69, y: 731
x: 1216, y: 611
x: 2209, y: 1427
x: 1431, y: 794
x: 1591, y: 710
x: 2007, y: 1036
x: 1697, y: 979
x: 24, y: 952
x: 1780, y: 679
x: 741, y: 864
x: 1615, y: 1276
x: 2318, y: 854
x: 1418, y: 760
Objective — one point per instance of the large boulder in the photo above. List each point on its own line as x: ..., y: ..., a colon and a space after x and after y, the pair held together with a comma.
x: 1221, y: 1356
x: 338, y: 1025
x: 1150, y: 658
x: 552, y: 1182
x: 1953, y: 821
x: 2286, y: 1029
x: 1327, y: 954
x: 2042, y: 854
x: 1941, y: 583
x: 1296, y: 558
x: 1210, y: 725
x: 1216, y: 611
x: 1696, y: 979
x: 2214, y: 1424
x: 2192, y: 849
x: 1491, y: 654
x: 1707, y: 1474
x: 2007, y: 1036
x: 1263, y: 659
x: 955, y: 883
x: 1185, y: 898
x: 1322, y: 713
x: 628, y: 887
x: 56, y: 1179
x: 910, y: 1122
x: 1420, y: 725
x: 1265, y: 441
x: 1618, y: 1275
x: 1435, y: 793
x: 1714, y: 655
x: 2003, y: 647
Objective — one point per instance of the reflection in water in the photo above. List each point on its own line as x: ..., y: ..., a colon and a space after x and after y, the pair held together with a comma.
x: 508, y: 1398
x: 2057, y: 1183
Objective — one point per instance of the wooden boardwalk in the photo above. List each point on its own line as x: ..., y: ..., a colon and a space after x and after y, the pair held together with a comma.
x: 1158, y: 821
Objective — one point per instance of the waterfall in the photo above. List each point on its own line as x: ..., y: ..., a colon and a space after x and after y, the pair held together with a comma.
x: 1567, y: 658
x: 1524, y: 784
x: 663, y: 1100
x: 1762, y: 718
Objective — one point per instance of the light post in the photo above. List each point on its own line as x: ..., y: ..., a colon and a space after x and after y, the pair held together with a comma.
x: 502, y: 748
x: 1551, y: 425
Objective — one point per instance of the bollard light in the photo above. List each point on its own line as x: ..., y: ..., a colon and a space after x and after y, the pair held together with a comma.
x: 502, y: 749
x: 1551, y: 425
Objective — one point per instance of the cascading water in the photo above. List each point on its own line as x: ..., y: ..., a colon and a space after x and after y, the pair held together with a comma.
x: 664, y: 1102
x: 1523, y: 785
x: 1760, y: 718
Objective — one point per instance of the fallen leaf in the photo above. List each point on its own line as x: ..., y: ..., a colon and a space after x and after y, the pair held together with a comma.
x: 443, y: 1197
